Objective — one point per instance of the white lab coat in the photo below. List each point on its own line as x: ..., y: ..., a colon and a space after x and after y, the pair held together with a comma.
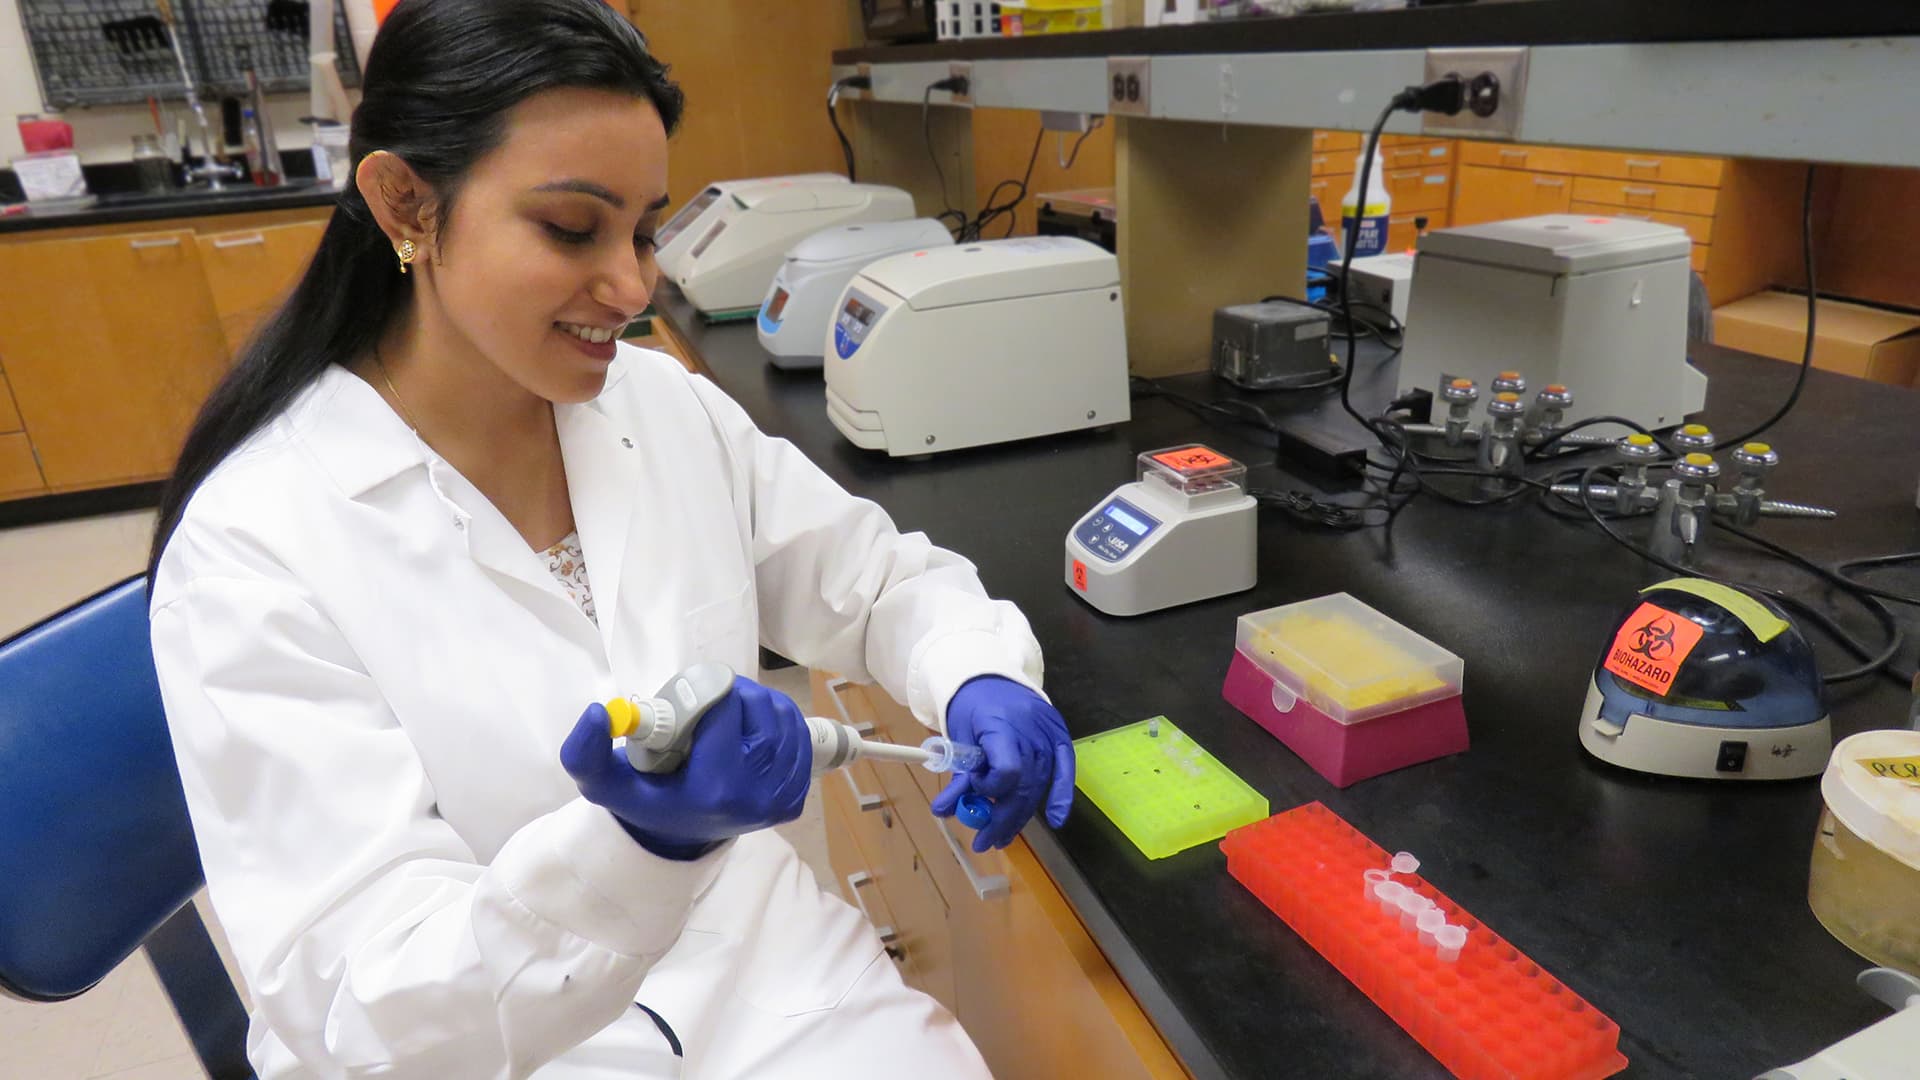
x: 368, y: 674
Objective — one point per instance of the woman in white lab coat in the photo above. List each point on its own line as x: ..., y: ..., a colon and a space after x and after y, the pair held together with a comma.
x: 434, y: 513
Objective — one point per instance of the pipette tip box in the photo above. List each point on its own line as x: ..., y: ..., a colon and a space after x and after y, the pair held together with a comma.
x: 1162, y: 789
x: 1351, y: 691
x: 1492, y: 1014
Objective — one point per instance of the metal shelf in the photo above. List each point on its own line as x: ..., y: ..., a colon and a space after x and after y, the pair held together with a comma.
x: 1852, y: 100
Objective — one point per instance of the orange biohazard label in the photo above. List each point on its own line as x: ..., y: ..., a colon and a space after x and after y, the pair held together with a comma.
x: 1651, y: 646
x: 1192, y: 459
x: 1080, y: 575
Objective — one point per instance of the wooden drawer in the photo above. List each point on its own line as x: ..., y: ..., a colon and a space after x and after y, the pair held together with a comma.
x: 1421, y: 189
x: 249, y: 271
x: 9, y: 415
x: 1419, y: 156
x: 19, y: 472
x: 1327, y: 164
x: 1407, y: 140
x: 1324, y: 141
x: 1499, y: 194
x: 1641, y: 166
x: 1632, y: 195
x: 857, y: 885
x: 1540, y: 159
x: 1699, y: 229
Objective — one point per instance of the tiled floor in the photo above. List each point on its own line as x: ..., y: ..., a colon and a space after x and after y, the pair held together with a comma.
x: 124, y: 1028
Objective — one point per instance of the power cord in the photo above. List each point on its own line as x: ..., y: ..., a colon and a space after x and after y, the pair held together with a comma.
x: 953, y: 84
x: 992, y: 211
x: 851, y: 82
x: 1813, y: 306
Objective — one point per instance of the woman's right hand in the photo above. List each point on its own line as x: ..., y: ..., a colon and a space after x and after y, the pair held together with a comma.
x: 748, y: 767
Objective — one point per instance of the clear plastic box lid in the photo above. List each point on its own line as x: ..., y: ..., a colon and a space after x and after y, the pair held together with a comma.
x: 1346, y: 659
x: 1193, y: 471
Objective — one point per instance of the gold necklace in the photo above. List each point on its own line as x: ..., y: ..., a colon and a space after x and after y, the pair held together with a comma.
x: 405, y: 413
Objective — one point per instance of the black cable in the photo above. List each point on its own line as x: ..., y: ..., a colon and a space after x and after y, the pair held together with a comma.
x: 974, y: 229
x: 1872, y: 561
x: 833, y: 117
x: 1074, y: 154
x: 926, y: 133
x: 1806, y: 354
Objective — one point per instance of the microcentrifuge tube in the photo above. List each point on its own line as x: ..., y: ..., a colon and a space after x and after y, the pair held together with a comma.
x: 1388, y: 894
x: 1450, y: 939
x: 1410, y: 908
x: 1430, y: 922
x: 1368, y: 881
x: 1404, y: 862
x: 945, y: 755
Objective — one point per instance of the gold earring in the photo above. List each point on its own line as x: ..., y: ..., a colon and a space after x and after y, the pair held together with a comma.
x: 406, y: 252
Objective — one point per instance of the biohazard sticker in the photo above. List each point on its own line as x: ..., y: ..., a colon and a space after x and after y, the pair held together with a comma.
x: 1651, y: 646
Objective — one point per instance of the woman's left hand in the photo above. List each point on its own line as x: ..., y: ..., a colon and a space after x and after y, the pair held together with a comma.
x: 1029, y: 757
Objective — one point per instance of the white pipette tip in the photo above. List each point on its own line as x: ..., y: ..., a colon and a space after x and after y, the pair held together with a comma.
x: 1430, y: 922
x: 945, y: 755
x: 1404, y: 862
x: 1450, y: 940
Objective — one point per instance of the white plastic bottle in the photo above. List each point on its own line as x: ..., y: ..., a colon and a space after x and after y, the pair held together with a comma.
x: 1372, y: 239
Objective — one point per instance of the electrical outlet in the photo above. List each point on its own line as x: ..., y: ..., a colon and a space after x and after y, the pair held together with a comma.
x: 1129, y: 86
x: 866, y: 72
x: 962, y: 69
x: 1496, y: 89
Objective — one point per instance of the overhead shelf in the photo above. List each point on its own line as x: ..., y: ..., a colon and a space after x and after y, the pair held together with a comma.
x: 1778, y: 81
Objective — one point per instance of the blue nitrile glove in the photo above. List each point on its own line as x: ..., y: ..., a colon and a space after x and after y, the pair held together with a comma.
x: 748, y: 767
x: 1029, y: 757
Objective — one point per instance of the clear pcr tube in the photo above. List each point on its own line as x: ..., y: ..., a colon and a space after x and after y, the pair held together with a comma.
x: 945, y: 755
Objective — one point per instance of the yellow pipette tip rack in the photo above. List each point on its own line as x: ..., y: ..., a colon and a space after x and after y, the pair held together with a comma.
x: 1348, y: 660
x: 1162, y: 789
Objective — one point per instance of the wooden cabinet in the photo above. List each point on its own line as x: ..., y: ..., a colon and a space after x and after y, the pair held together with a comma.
x: 249, y: 271
x: 110, y: 345
x: 112, y: 335
x: 1497, y: 194
x: 989, y: 936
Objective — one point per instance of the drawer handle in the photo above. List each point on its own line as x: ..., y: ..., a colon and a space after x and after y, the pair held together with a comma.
x: 861, y: 799
x: 1541, y: 181
x: 1635, y: 164
x: 854, y: 881
x: 226, y: 242
x: 865, y: 727
x: 985, y: 886
x: 1518, y: 155
x: 143, y: 245
x: 1641, y: 192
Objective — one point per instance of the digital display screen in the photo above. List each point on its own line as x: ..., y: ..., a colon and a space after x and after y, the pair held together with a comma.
x: 776, y: 305
x: 859, y: 312
x: 677, y: 223
x: 1126, y: 521
x: 706, y: 241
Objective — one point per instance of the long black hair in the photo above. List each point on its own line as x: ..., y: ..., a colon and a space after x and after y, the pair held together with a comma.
x: 439, y: 81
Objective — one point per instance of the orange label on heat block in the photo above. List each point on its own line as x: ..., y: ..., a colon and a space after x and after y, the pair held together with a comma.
x: 1192, y: 459
x: 1080, y: 575
x: 1651, y: 646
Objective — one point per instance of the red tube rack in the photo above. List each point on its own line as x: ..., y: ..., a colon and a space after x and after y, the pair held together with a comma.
x: 1490, y: 1015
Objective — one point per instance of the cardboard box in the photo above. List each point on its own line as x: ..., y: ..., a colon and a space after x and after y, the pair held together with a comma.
x: 1851, y: 339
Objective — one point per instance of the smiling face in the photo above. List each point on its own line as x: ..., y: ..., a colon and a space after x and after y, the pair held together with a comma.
x: 549, y: 249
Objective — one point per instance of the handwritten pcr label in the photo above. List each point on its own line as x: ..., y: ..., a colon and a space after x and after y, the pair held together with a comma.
x: 1894, y: 768
x: 1651, y: 646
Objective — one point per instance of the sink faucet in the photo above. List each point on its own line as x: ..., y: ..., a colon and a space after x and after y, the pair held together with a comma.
x: 213, y: 172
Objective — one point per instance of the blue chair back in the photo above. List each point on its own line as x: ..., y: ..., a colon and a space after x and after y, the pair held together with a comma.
x: 96, y: 851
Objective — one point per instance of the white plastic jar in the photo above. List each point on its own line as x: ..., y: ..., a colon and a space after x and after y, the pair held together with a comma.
x: 1864, y: 884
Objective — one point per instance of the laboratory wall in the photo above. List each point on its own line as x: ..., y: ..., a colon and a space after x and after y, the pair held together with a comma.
x: 1872, y: 230
x: 1002, y: 143
x: 104, y: 133
x: 756, y: 74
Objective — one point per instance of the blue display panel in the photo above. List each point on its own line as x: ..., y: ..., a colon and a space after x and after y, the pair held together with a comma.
x: 857, y: 316
x: 1114, y: 530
